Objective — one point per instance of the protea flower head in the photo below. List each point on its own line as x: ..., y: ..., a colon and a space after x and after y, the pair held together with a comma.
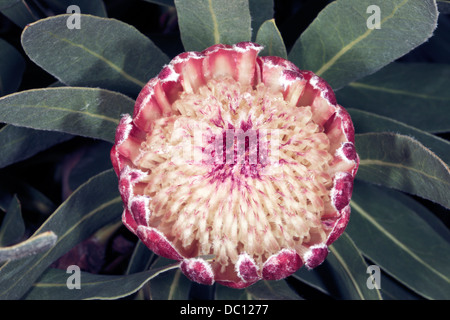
x: 246, y: 159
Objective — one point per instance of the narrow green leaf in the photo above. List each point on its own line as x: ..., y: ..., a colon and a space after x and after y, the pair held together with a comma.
x: 88, y: 112
x: 141, y: 259
x: 226, y: 293
x: 394, y: 290
x: 12, y: 66
x: 13, y: 227
x: 19, y: 143
x: 350, y: 270
x: 204, y: 23
x: 430, y: 217
x: 340, y: 47
x: 271, y: 290
x: 402, y: 163
x: 397, y: 239
x: 322, y: 278
x: 414, y: 93
x: 269, y: 36
x: 32, y: 246
x: 95, y: 204
x: 366, y: 122
x: 260, y: 11
x: 18, y: 12
x: 119, y: 58
x: 314, y: 278
x: 52, y: 285
x: 172, y: 285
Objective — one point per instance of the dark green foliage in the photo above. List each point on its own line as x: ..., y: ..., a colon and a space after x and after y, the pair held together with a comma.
x: 56, y: 176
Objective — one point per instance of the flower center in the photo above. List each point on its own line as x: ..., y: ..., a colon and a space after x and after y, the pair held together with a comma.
x: 237, y: 169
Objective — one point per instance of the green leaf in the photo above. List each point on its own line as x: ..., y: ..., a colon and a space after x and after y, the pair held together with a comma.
x: 88, y: 112
x: 414, y: 93
x: 141, y: 259
x: 269, y: 36
x: 94, y: 7
x: 350, y: 270
x: 52, y: 285
x: 227, y: 293
x: 171, y: 285
x: 430, y: 217
x: 271, y: 290
x: 32, y: 246
x: 340, y: 47
x: 397, y: 239
x: 366, y: 122
x: 402, y: 163
x: 204, y: 23
x: 394, y: 290
x: 13, y: 227
x: 18, y: 12
x: 314, y: 278
x: 260, y: 11
x: 119, y: 58
x: 12, y: 66
x: 95, y: 204
x: 19, y: 143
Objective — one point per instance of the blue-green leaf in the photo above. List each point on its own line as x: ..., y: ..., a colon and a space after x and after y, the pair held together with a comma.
x: 19, y: 143
x: 88, y: 112
x: 403, y: 163
x: 341, y: 46
x: 271, y: 290
x: 204, y: 23
x: 261, y: 11
x: 30, y: 247
x: 395, y: 237
x: 366, y: 122
x: 171, y: 285
x: 118, y: 58
x: 12, y: 228
x: 413, y: 93
x: 350, y: 270
x: 269, y: 36
x: 18, y: 12
x: 52, y: 285
x: 93, y: 205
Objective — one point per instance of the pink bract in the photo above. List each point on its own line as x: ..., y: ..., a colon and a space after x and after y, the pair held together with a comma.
x: 245, y: 158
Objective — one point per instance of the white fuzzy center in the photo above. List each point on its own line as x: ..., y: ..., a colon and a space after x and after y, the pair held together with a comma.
x: 237, y: 169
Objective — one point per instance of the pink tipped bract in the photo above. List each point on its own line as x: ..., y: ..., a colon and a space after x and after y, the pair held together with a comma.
x: 246, y: 159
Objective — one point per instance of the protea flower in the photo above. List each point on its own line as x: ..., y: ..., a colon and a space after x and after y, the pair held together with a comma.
x: 246, y: 159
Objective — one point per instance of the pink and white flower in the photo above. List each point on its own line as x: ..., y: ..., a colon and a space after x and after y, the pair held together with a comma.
x: 245, y: 158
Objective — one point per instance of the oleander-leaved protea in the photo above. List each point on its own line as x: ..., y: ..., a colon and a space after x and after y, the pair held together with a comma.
x: 246, y: 159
